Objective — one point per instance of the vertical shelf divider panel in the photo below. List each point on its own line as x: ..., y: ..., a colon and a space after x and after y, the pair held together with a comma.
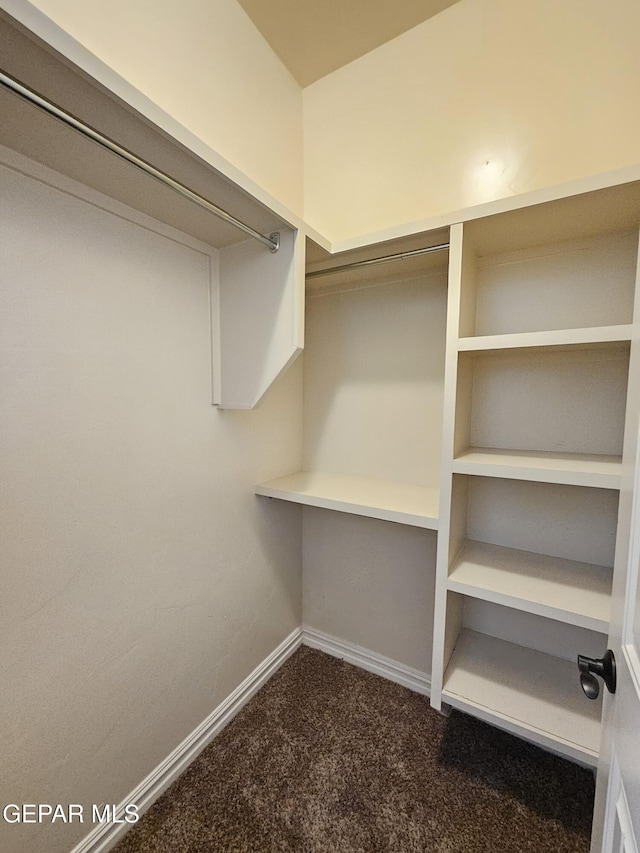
x: 448, y: 607
x: 257, y: 318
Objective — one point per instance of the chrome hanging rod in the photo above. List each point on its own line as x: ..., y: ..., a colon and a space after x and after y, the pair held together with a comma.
x: 401, y: 256
x: 272, y: 241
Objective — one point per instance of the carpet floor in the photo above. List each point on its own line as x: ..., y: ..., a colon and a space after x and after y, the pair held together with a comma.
x: 327, y: 758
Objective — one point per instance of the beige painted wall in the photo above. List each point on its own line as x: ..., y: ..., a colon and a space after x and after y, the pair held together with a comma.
x: 489, y: 98
x: 370, y: 583
x: 142, y: 579
x: 205, y: 63
x: 373, y: 380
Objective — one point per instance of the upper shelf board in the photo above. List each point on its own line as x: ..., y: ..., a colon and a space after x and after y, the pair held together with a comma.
x: 574, y: 469
x: 569, y: 591
x: 608, y: 210
x: 582, y: 338
x: 416, y: 506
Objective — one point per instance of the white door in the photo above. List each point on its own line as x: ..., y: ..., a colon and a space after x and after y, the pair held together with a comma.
x: 616, y: 826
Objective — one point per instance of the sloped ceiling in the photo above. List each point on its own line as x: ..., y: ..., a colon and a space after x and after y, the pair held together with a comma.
x: 315, y: 37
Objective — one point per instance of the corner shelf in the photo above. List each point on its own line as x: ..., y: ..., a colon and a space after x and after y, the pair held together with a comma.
x: 572, y: 592
x: 574, y: 469
x: 584, y: 338
x: 528, y: 693
x: 416, y: 506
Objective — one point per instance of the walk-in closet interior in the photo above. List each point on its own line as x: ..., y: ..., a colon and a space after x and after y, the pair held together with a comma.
x: 414, y: 449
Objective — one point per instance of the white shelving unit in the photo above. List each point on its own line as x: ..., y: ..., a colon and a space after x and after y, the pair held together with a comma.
x: 373, y: 387
x: 541, y: 306
x: 505, y: 435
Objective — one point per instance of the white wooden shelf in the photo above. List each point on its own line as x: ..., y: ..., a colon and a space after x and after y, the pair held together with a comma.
x: 567, y: 590
x: 528, y: 693
x: 585, y: 337
x: 416, y: 506
x: 569, y: 468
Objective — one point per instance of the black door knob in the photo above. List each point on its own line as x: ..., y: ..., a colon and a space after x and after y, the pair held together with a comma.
x: 605, y: 667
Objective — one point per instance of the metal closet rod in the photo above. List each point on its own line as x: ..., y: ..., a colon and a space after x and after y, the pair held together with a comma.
x: 400, y: 256
x: 272, y: 241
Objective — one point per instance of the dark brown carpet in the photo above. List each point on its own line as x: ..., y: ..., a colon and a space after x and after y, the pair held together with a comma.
x: 327, y: 758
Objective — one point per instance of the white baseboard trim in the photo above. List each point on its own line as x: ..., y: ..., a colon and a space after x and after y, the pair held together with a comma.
x: 390, y: 669
x: 105, y: 835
